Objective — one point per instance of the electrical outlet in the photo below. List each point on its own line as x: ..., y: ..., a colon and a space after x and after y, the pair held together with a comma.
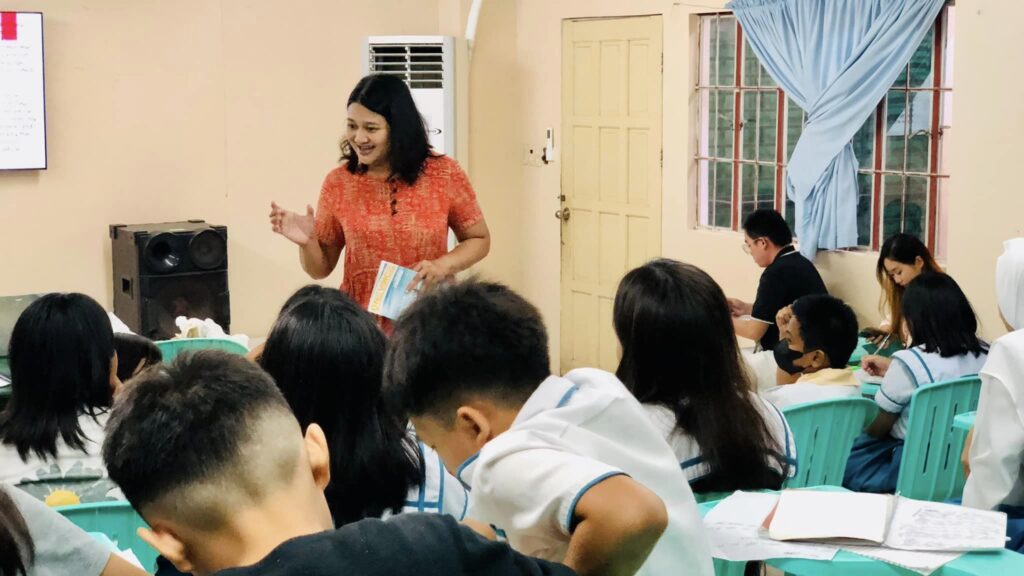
x: 533, y: 155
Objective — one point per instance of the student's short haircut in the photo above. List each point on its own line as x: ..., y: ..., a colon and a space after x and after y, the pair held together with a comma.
x: 767, y: 223
x: 201, y: 438
x: 829, y: 325
x: 468, y: 339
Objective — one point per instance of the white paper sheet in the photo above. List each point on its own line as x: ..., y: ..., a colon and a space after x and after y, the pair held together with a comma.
x: 734, y: 528
x: 921, y: 562
x: 818, y: 515
x: 932, y: 526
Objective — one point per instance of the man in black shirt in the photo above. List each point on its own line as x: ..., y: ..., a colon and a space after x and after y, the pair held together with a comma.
x: 787, y: 276
x: 211, y: 456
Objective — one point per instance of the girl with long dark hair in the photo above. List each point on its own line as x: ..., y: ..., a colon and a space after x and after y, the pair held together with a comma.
x: 943, y: 329
x: 681, y: 361
x: 326, y: 354
x: 63, y: 377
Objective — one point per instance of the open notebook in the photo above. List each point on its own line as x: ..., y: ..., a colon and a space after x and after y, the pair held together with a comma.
x: 886, y: 520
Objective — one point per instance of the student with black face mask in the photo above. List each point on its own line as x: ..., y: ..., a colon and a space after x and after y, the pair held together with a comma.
x: 819, y: 333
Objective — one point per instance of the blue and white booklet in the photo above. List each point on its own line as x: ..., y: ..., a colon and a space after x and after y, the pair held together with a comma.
x: 390, y: 296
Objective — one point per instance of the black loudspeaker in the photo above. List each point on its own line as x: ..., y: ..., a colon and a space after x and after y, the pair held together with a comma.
x: 162, y: 271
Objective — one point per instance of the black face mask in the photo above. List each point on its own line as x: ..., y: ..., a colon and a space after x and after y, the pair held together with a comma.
x: 784, y: 357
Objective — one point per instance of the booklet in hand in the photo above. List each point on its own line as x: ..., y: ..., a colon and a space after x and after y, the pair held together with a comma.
x: 391, y: 295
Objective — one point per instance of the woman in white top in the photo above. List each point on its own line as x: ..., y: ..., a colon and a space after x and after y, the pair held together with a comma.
x: 943, y: 328
x: 326, y: 354
x: 681, y: 361
x: 63, y: 377
x: 996, y: 478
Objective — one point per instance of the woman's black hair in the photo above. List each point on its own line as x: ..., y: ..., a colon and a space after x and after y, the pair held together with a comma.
x: 679, y: 351
x: 905, y: 249
x: 327, y: 356
x: 408, y: 143
x: 16, y: 547
x: 133, y: 349
x: 940, y: 317
x: 60, y: 354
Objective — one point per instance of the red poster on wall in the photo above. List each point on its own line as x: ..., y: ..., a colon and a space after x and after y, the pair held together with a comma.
x: 8, y: 26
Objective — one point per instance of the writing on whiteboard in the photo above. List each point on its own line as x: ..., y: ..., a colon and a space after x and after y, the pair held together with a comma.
x: 22, y: 102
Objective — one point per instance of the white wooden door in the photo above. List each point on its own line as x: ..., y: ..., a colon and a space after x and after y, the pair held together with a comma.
x: 611, y: 174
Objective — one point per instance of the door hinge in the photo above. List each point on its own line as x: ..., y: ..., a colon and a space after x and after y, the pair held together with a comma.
x: 661, y: 158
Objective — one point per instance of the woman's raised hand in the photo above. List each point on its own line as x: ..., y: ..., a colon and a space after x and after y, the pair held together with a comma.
x: 296, y: 227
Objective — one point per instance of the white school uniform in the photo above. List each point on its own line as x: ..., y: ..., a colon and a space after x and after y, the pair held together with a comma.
x: 827, y: 384
x: 913, y: 368
x: 688, y: 452
x: 997, y: 454
x: 440, y: 492
x: 572, y: 433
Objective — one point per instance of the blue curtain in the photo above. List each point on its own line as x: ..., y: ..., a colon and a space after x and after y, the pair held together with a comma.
x: 836, y: 59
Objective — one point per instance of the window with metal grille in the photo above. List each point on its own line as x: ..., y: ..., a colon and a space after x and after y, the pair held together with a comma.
x: 748, y: 128
x: 420, y: 65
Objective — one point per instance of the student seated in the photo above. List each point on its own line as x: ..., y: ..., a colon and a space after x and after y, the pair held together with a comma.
x: 63, y: 377
x: 681, y: 360
x: 134, y: 354
x: 211, y: 456
x: 819, y: 333
x: 996, y: 480
x: 326, y: 355
x: 38, y: 541
x: 943, y: 328
x: 903, y: 258
x: 551, y: 461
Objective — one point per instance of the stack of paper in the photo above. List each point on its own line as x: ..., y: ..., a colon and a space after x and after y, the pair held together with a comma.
x: 734, y: 528
x: 891, y: 521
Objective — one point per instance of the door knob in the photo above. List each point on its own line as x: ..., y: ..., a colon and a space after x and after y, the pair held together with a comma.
x: 562, y: 214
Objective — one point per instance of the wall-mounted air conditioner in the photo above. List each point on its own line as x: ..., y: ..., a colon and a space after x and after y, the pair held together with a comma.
x: 427, y: 64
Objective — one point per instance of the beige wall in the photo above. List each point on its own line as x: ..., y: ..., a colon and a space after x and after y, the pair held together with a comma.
x: 985, y: 206
x: 164, y: 110
x: 161, y: 110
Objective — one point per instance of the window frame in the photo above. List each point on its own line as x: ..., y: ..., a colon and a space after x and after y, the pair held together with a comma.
x: 706, y: 160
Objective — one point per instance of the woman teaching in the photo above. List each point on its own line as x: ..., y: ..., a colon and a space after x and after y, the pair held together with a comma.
x: 392, y: 198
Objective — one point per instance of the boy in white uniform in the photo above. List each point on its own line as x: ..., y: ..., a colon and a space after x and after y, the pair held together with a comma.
x: 568, y: 469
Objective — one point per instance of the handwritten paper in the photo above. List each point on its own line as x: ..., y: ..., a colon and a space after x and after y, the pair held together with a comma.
x: 22, y: 105
x: 734, y: 528
x: 931, y: 526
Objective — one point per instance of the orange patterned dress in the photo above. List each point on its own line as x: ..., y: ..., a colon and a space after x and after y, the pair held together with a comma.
x: 389, y: 220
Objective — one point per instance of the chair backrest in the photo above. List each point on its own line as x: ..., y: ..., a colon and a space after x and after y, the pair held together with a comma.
x: 824, y: 433
x: 118, y: 521
x: 171, y: 348
x: 930, y: 468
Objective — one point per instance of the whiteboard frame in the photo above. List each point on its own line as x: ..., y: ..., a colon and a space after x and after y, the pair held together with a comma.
x: 46, y: 140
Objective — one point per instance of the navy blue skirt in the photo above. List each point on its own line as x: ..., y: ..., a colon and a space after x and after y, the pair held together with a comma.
x: 874, y: 465
x: 1014, y: 527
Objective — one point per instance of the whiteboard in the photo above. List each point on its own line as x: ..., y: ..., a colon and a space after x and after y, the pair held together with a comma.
x: 22, y: 92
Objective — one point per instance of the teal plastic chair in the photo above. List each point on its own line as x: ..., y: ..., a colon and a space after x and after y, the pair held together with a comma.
x: 171, y: 348
x: 930, y: 469
x: 824, y: 433
x: 118, y: 521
